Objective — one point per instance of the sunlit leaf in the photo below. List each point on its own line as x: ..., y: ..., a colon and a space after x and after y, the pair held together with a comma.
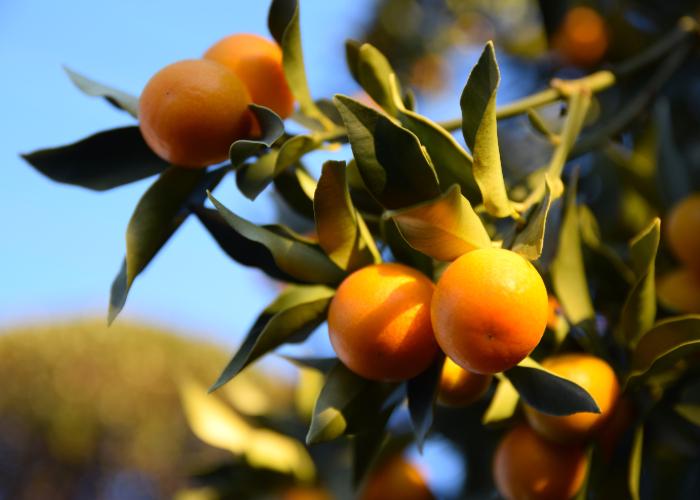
x: 503, y: 404
x: 568, y: 273
x: 547, y: 392
x: 690, y: 412
x: 373, y: 74
x: 271, y: 127
x: 402, y: 251
x: 422, y: 391
x: 283, y: 23
x: 293, y: 149
x: 291, y: 318
x: 102, y: 161
x: 444, y: 228
x: 577, y: 110
x: 391, y: 161
x: 635, y: 464
x: 669, y: 341
x: 530, y: 241
x: 338, y: 223
x: 117, y: 98
x: 639, y: 310
x: 478, y: 103
x: 294, y: 257
x: 158, y: 214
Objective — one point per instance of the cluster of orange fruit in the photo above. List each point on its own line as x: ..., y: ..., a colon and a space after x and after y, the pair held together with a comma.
x: 679, y: 289
x: 191, y: 111
x: 487, y: 312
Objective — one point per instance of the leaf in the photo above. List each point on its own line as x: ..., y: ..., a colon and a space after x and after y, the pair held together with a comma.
x: 503, y: 404
x: 158, y: 214
x: 283, y: 22
x: 530, y: 241
x: 402, y: 251
x: 347, y: 403
x: 117, y: 98
x: 422, y: 391
x: 547, y: 392
x: 390, y: 158
x: 660, y: 348
x: 478, y: 103
x: 690, y: 412
x: 296, y: 258
x: 338, y: 223
x: 373, y: 74
x: 101, y: 161
x: 444, y: 228
x: 323, y: 365
x: 220, y: 426
x: 568, y: 273
x: 578, y: 105
x: 291, y: 318
x: 635, y: 464
x: 296, y: 187
x: 293, y: 149
x: 639, y: 310
x: 271, y: 127
x: 590, y: 234
x: 253, y: 178
x: 672, y: 175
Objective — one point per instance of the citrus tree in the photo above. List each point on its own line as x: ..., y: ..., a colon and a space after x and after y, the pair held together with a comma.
x: 526, y: 297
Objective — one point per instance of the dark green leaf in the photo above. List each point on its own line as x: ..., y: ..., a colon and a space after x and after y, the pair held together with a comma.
x: 253, y: 178
x: 296, y: 187
x: 672, y: 175
x: 391, y: 161
x: 547, y: 392
x: 639, y: 310
x: 635, y: 464
x: 296, y: 258
x: 444, y: 228
x: 158, y: 214
x: 102, y: 161
x: 341, y: 231
x: 478, y: 103
x: 271, y: 127
x: 590, y: 234
x: 352, y: 56
x: 321, y: 364
x: 283, y: 22
x: 291, y: 318
x: 117, y: 98
x: 422, y: 391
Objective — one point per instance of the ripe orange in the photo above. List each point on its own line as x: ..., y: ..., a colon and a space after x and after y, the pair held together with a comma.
x: 683, y: 231
x: 526, y: 466
x: 679, y: 290
x: 396, y: 479
x: 489, y: 310
x: 582, y: 37
x: 258, y: 63
x: 596, y: 377
x: 191, y: 111
x: 460, y: 387
x: 305, y: 493
x: 554, y: 312
x: 379, y: 322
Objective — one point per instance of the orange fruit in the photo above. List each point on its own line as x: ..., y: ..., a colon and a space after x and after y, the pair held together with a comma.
x: 379, y: 322
x: 460, y: 387
x: 258, y: 63
x: 305, y: 493
x: 553, y: 313
x: 683, y: 231
x: 679, y: 290
x: 582, y: 37
x: 396, y: 479
x: 191, y: 111
x: 597, y: 378
x: 527, y: 467
x: 489, y: 310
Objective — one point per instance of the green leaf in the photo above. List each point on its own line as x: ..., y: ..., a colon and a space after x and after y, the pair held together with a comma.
x: 283, y: 22
x: 665, y: 344
x: 373, y: 75
x: 503, y: 404
x: 444, y: 228
x: 568, y: 273
x: 590, y: 235
x: 530, y: 241
x: 422, y: 391
x: 117, y: 98
x: 294, y: 257
x: 291, y: 318
x: 323, y: 365
x: 101, y: 161
x: 158, y: 214
x: 547, y: 392
x: 690, y: 412
x: 294, y: 148
x: 639, y: 310
x: 253, y: 178
x: 296, y: 187
x: 578, y: 105
x: 338, y: 223
x: 635, y: 464
x: 347, y: 404
x: 374, y: 446
x: 672, y: 173
x: 478, y: 103
x: 271, y: 127
x: 402, y: 251
x: 391, y: 161
x: 352, y: 56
